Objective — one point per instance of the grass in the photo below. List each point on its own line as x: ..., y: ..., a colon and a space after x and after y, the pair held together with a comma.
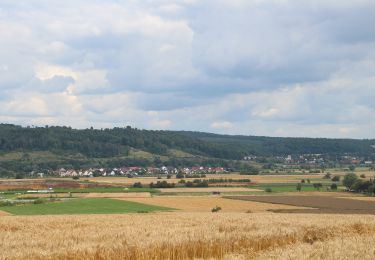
x: 286, y: 187
x: 83, y: 206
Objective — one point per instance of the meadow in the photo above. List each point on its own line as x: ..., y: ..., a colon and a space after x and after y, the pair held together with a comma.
x: 81, y: 206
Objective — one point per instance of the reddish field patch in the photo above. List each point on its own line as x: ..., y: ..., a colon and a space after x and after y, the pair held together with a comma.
x: 319, y: 204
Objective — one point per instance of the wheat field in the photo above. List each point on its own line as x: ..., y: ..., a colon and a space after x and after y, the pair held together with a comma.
x: 254, y: 178
x: 188, y: 236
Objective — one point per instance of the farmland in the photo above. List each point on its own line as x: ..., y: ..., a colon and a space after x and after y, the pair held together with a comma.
x: 206, y: 203
x: 108, y: 218
x: 82, y: 206
x: 321, y: 204
x: 184, y: 236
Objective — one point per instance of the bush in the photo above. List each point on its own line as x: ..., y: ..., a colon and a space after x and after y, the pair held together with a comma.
x: 327, y: 176
x: 361, y: 186
x: 197, y: 183
x: 75, y: 178
x: 317, y: 186
x: 179, y: 175
x: 5, y: 203
x: 169, y: 176
x: 38, y: 201
x: 336, y: 178
x: 333, y: 186
x: 162, y: 184
x: 216, y: 209
x: 19, y: 176
x: 137, y: 185
x: 299, y: 186
x: 268, y: 189
x: 303, y: 181
x: 362, y: 176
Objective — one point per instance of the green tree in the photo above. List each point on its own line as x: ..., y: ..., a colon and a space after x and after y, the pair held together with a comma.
x: 349, y: 180
x: 299, y: 186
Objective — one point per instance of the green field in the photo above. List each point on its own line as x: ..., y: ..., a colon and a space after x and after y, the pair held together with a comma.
x: 83, y: 206
x: 289, y: 187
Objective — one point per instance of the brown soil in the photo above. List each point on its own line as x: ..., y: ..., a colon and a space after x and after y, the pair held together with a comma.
x: 35, y: 184
x: 318, y: 204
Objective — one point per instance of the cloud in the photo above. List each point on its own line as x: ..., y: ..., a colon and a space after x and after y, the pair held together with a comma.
x: 221, y: 125
x: 276, y: 67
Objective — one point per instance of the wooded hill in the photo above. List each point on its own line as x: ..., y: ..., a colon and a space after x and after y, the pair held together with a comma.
x: 33, y: 148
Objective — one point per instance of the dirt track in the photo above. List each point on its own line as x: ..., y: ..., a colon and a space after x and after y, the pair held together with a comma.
x: 318, y: 204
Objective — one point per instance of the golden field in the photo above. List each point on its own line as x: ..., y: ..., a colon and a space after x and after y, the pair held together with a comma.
x: 254, y: 178
x: 180, y: 235
x: 205, y: 204
x: 210, y: 189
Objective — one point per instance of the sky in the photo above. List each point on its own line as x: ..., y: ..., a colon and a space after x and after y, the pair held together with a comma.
x: 303, y: 68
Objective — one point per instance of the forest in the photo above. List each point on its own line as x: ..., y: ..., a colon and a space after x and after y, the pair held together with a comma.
x: 25, y: 149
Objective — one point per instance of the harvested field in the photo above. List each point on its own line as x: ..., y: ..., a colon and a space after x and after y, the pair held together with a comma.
x: 360, y: 198
x: 321, y: 204
x: 284, y: 178
x: 187, y: 236
x: 205, y: 204
x: 117, y: 195
x: 254, y: 178
x: 38, y: 184
x: 209, y: 189
x: 3, y: 213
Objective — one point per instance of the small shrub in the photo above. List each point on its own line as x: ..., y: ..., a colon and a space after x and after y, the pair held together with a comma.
x: 333, y: 186
x: 336, y: 178
x: 317, y: 186
x: 5, y: 203
x: 216, y: 209
x: 268, y: 189
x: 38, y: 201
x: 180, y: 175
x: 75, y: 178
x: 362, y: 176
x: 137, y: 185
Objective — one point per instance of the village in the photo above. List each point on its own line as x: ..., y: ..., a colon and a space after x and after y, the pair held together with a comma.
x: 315, y: 160
x: 137, y: 171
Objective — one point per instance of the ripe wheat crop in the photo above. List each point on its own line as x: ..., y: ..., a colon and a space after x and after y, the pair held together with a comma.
x: 183, y: 236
